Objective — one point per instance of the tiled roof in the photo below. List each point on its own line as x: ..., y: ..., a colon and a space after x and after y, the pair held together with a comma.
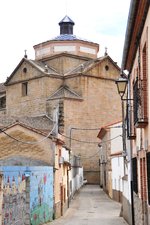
x: 84, y: 67
x: 2, y: 87
x: 43, y: 123
x: 44, y: 68
x: 68, y: 37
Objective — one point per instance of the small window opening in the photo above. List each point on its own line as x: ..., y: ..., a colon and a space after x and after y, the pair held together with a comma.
x: 25, y: 89
x: 106, y: 67
x: 24, y: 69
x: 3, y: 102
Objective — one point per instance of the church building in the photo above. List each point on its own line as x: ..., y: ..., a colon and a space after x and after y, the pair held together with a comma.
x: 66, y: 82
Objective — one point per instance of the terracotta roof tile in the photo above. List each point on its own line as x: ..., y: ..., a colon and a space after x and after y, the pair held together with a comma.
x: 42, y: 123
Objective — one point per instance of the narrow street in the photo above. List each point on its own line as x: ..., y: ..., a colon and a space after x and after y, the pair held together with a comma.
x: 91, y: 206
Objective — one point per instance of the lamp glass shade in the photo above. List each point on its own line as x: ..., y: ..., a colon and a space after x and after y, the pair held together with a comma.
x: 121, y: 85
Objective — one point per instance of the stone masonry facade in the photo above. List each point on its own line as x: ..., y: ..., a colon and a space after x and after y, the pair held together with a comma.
x: 82, y: 86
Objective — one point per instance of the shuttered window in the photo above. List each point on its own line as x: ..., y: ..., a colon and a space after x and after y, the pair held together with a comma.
x: 148, y: 176
x: 135, y: 175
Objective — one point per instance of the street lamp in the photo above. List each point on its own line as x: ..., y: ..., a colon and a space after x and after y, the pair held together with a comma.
x: 121, y: 86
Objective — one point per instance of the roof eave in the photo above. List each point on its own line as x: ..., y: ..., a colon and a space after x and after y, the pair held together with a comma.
x: 134, y: 5
x: 9, y: 78
x: 130, y: 23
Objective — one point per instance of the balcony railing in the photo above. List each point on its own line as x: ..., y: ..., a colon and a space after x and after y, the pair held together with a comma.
x: 140, y: 103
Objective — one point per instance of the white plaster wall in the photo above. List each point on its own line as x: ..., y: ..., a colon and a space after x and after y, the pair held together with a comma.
x: 77, y: 181
x: 126, y: 186
x: 116, y: 144
x: 117, y: 173
x: 65, y: 154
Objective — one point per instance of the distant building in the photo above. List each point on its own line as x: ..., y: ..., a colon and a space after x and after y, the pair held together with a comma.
x: 112, y: 164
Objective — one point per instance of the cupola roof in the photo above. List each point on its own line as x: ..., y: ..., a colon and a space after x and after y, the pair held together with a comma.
x: 66, y: 19
x: 66, y: 25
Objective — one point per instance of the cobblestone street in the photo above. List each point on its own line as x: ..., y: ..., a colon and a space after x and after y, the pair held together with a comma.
x: 91, y: 206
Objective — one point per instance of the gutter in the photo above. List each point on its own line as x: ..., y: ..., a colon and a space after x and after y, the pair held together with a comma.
x: 130, y: 25
x: 128, y: 35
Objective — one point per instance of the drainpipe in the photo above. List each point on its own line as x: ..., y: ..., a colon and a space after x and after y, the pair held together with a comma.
x: 131, y: 172
x: 131, y: 185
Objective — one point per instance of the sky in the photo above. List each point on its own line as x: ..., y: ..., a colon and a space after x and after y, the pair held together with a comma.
x: 25, y: 23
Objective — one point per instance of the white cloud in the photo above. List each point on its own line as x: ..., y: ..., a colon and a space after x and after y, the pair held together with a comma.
x: 26, y: 23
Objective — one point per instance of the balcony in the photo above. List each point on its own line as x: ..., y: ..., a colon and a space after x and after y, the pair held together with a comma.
x: 140, y: 103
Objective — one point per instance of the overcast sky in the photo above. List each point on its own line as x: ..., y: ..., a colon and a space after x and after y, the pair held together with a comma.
x: 25, y: 23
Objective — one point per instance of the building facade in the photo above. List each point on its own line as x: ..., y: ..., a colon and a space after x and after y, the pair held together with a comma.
x: 112, y: 166
x: 67, y: 78
x: 136, y: 60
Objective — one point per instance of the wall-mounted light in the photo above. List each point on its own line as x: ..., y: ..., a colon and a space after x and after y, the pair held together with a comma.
x: 121, y: 86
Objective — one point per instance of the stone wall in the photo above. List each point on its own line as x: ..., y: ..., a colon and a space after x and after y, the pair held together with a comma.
x: 34, y: 103
x: 100, y: 106
x: 127, y: 215
x: 97, y: 109
x: 10, y: 148
x: 138, y: 211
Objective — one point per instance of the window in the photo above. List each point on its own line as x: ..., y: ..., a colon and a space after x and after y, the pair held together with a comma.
x: 140, y: 91
x: 3, y: 102
x: 135, y: 178
x: 25, y: 70
x: 25, y: 89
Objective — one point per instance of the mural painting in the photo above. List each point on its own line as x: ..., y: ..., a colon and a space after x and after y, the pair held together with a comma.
x: 41, y: 195
x: 14, y: 196
x: 27, y: 191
